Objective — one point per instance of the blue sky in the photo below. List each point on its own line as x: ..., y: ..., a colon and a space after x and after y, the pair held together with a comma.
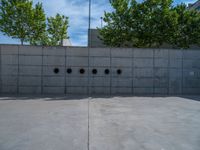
x: 77, y: 11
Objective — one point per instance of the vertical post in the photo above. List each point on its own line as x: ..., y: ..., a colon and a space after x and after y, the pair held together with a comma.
x: 89, y: 25
x: 89, y: 45
x: 101, y: 22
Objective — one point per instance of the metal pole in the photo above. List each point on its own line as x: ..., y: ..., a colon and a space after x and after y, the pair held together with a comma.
x: 101, y: 22
x: 89, y: 24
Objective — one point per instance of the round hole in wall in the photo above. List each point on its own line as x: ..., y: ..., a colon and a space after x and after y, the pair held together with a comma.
x: 56, y: 70
x: 94, y: 71
x: 82, y: 71
x: 69, y: 70
x: 107, y: 71
x: 119, y: 71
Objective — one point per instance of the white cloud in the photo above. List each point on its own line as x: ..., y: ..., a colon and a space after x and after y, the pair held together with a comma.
x: 77, y: 11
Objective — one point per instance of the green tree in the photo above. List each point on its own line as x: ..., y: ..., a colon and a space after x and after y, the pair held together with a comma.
x: 155, y: 22
x: 150, y: 23
x: 57, y: 29
x: 18, y: 19
x: 15, y: 18
x: 187, y: 30
x: 116, y: 32
x: 38, y: 26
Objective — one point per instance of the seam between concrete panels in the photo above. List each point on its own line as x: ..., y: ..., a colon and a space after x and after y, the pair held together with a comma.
x: 42, y: 69
x: 168, y: 72
x: 18, y: 69
x: 88, y: 86
x: 110, y: 68
x: 132, y: 71
x: 0, y: 72
x: 154, y: 72
x: 65, y: 71
x: 88, y: 138
x: 182, y: 53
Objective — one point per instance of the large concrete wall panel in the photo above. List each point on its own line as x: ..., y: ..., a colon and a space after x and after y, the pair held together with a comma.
x: 9, y: 50
x: 32, y: 70
x: 54, y: 51
x: 9, y: 59
x: 99, y: 62
x: 143, y: 62
x: 118, y: 82
x: 30, y: 60
x: 143, y: 82
x: 160, y: 62
x: 77, y: 61
x: 161, y: 53
x: 9, y: 70
x: 53, y: 90
x: 29, y: 90
x: 77, y: 90
x: 30, y: 50
x: 29, y: 81
x: 99, y: 52
x: 54, y: 60
x: 121, y: 62
x: 100, y: 90
x: 54, y: 81
x: 143, y: 53
x: 77, y: 82
x: 9, y: 80
x: 9, y: 89
x: 143, y: 72
x: 121, y: 91
x: 121, y: 52
x: 143, y: 91
x: 77, y: 51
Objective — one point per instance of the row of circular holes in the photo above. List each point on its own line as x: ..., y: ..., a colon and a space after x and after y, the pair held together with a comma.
x: 82, y: 71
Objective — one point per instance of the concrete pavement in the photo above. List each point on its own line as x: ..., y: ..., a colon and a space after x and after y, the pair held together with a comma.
x: 109, y: 123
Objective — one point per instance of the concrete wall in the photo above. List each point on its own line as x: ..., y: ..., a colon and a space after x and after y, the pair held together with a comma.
x: 31, y: 70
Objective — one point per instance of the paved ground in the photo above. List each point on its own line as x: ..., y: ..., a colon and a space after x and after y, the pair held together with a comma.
x: 82, y: 123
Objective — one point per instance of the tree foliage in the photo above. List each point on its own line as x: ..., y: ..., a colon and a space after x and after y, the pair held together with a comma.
x: 150, y: 23
x: 37, y: 36
x: 19, y: 19
x: 57, y: 29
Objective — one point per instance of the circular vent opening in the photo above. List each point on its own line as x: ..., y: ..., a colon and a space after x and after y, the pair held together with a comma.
x: 69, y: 70
x: 107, y: 71
x: 94, y: 71
x: 119, y: 71
x: 56, y: 70
x: 82, y: 71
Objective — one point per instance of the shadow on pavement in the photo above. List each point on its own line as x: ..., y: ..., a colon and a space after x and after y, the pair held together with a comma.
x: 86, y: 97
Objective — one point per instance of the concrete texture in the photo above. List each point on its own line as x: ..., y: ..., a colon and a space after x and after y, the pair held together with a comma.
x: 143, y: 71
x: 99, y: 123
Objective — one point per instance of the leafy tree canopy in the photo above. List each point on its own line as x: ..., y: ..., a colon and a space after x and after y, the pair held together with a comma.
x: 57, y: 29
x: 20, y: 20
x: 150, y: 23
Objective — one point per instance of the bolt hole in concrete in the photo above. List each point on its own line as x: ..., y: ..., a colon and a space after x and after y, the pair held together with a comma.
x: 107, y: 71
x: 94, y: 71
x: 56, y: 70
x: 69, y: 70
x: 119, y: 71
x: 82, y: 71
